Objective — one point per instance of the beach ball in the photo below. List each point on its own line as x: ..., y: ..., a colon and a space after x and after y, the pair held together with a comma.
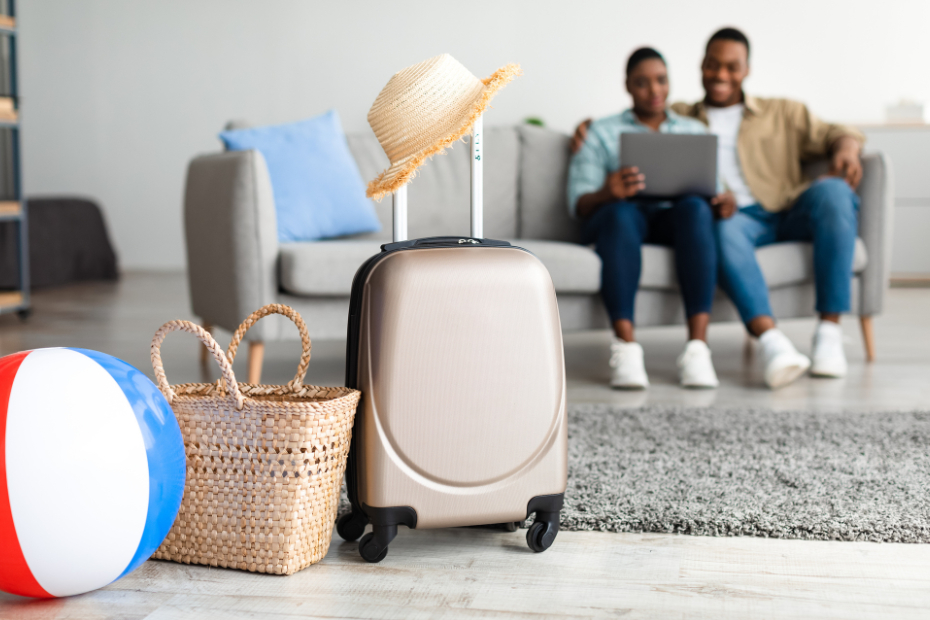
x: 92, y: 471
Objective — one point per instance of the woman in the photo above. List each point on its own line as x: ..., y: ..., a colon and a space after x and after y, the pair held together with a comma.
x: 604, y: 196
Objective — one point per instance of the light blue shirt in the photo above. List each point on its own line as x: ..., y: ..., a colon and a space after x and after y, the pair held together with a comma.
x: 600, y: 154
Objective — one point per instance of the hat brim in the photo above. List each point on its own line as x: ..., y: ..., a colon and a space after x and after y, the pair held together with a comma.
x: 402, y: 172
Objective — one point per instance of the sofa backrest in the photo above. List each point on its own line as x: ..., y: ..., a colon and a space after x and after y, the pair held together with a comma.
x: 525, y: 172
x: 438, y: 198
x: 543, y: 212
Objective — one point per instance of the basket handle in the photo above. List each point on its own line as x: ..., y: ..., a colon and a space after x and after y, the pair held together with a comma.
x: 294, y: 316
x: 212, y: 346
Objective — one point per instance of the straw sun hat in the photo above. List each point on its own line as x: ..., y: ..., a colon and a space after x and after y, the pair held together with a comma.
x: 425, y: 108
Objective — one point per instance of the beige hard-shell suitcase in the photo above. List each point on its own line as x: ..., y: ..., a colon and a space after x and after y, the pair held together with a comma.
x: 456, y: 346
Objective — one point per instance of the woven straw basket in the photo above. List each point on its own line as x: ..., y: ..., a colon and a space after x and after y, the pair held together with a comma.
x: 264, y: 462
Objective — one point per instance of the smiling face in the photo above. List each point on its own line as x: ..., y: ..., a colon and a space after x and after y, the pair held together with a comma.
x: 725, y: 66
x: 648, y: 85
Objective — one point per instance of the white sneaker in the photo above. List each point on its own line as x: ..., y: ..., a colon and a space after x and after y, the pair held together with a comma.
x: 783, y: 363
x: 828, y: 355
x: 695, y: 368
x: 628, y: 369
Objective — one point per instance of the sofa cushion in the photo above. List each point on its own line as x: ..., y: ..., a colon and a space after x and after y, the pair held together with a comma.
x: 782, y: 264
x: 574, y: 268
x: 438, y: 198
x: 790, y: 263
x: 326, y: 268
x: 543, y: 176
x: 323, y: 268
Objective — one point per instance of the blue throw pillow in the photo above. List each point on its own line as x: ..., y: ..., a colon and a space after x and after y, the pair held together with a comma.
x: 318, y: 191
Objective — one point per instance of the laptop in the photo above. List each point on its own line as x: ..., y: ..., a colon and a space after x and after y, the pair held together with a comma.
x: 674, y: 164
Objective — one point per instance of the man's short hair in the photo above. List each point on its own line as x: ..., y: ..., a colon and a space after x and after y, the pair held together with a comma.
x: 729, y: 34
x: 643, y: 53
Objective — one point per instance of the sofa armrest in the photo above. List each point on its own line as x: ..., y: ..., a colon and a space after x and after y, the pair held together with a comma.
x: 876, y: 222
x: 232, y: 240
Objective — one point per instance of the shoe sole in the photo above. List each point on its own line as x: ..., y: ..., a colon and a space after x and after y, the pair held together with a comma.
x: 695, y: 384
x: 700, y: 386
x: 629, y: 387
x: 827, y: 374
x: 788, y: 375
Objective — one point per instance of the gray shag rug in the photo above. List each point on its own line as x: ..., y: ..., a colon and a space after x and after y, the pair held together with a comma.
x: 749, y: 472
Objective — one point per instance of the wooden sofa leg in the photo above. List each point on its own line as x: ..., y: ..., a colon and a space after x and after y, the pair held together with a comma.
x: 256, y: 354
x: 204, y: 353
x: 868, y: 337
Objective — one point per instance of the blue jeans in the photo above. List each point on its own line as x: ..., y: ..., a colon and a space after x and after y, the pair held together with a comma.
x: 618, y: 231
x: 826, y: 214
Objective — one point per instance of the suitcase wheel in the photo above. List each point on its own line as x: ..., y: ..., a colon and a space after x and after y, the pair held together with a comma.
x: 351, y: 526
x: 541, y: 535
x: 370, y: 550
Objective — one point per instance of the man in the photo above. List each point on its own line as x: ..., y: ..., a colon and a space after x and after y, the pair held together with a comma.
x: 761, y: 145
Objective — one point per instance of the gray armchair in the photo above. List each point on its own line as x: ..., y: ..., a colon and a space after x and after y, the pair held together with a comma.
x: 236, y: 264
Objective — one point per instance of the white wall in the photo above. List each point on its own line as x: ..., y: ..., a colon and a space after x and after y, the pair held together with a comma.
x: 117, y: 95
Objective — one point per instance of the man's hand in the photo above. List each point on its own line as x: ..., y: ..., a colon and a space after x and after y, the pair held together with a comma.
x: 845, y: 161
x: 581, y: 134
x: 625, y: 183
x: 723, y: 205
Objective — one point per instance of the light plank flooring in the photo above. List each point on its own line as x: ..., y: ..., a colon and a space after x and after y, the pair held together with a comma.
x: 476, y: 573
x: 473, y: 574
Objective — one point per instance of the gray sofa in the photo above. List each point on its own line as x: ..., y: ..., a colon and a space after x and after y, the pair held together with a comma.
x: 236, y: 264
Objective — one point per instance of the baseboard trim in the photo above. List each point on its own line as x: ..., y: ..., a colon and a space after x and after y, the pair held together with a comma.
x: 910, y: 280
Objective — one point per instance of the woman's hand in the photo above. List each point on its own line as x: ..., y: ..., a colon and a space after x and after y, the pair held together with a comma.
x: 625, y: 183
x: 723, y: 205
x: 620, y: 185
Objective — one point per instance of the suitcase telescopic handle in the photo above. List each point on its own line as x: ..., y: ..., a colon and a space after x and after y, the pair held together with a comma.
x: 400, y: 214
x: 477, y: 179
x: 476, y: 149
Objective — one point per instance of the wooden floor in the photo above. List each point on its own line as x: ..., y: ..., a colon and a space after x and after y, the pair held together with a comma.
x: 476, y: 573
x: 473, y: 574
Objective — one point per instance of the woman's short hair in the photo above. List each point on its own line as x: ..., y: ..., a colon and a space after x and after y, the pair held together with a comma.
x: 643, y: 53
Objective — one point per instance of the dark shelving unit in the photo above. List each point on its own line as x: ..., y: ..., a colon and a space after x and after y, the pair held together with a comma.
x: 12, y: 206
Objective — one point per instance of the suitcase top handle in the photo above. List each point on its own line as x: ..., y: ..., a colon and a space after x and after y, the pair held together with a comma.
x: 225, y: 362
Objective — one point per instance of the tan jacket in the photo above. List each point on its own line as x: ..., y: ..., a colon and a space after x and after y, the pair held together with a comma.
x: 775, y: 138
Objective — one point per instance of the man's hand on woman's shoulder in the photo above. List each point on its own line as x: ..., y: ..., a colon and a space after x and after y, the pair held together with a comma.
x: 581, y: 134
